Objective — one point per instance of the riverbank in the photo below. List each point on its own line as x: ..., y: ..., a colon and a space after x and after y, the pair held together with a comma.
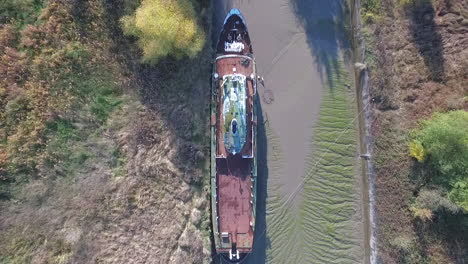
x: 416, y: 53
x: 102, y: 159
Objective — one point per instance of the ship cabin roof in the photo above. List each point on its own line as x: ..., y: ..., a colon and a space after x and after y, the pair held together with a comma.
x: 234, y: 112
x: 235, y: 95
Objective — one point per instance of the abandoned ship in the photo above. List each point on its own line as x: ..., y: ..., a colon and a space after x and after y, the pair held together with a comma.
x: 233, y: 141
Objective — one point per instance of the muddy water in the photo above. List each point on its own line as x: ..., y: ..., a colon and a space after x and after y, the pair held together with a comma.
x: 309, y: 207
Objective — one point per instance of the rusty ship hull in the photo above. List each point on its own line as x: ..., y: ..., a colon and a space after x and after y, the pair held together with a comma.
x: 233, y: 141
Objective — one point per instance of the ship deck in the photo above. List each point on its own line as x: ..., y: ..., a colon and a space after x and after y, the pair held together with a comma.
x: 235, y: 201
x: 233, y: 172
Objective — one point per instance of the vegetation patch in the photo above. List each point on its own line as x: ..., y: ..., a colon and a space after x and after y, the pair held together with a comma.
x: 371, y: 10
x: 444, y: 140
x: 23, y: 11
x: 55, y: 93
x: 414, y: 73
x: 165, y: 28
x: 89, y: 170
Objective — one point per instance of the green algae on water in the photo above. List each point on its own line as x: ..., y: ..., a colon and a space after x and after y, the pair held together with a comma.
x: 323, y: 228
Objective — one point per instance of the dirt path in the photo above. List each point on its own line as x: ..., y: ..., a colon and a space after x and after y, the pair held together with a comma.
x: 309, y: 136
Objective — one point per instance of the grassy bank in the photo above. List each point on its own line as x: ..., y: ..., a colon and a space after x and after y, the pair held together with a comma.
x: 102, y: 157
x: 56, y: 90
x: 417, y: 63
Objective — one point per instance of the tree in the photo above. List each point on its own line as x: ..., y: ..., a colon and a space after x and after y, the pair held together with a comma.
x: 443, y: 140
x: 430, y: 201
x: 165, y: 28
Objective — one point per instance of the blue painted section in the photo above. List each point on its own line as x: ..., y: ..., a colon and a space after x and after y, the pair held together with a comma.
x: 236, y: 12
x: 234, y: 112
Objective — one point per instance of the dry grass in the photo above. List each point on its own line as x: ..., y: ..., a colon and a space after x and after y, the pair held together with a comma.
x: 135, y: 191
x: 418, y: 66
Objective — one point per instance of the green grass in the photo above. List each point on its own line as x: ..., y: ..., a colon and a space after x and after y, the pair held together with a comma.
x: 22, y: 246
x: 69, y: 97
x: 370, y: 56
x: 22, y: 11
x: 96, y: 98
x: 118, y: 161
x: 371, y: 10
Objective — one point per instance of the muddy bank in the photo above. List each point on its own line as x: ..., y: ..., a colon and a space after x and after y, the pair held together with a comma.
x: 365, y: 139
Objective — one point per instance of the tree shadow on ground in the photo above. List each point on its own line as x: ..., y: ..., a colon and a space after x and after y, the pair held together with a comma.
x: 179, y: 92
x: 80, y: 15
x: 176, y: 90
x: 122, y: 47
x: 424, y: 35
x: 220, y: 10
x: 446, y: 229
x: 324, y: 23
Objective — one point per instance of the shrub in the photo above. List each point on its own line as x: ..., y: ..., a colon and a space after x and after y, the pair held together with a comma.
x: 459, y: 193
x: 430, y: 201
x: 371, y: 10
x: 371, y: 6
x: 422, y: 213
x: 403, y: 243
x: 18, y: 9
x: 417, y: 150
x: 407, y: 249
x: 165, y: 28
x: 444, y: 140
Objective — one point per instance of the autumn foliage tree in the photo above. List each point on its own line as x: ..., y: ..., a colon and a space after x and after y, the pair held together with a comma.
x: 165, y: 28
x: 442, y: 145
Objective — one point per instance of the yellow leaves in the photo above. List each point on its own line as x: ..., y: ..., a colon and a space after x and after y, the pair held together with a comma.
x: 165, y: 28
x: 417, y: 151
x: 422, y: 213
x: 3, y: 163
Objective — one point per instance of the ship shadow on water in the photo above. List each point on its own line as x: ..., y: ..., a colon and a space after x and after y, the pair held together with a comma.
x: 261, y: 241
